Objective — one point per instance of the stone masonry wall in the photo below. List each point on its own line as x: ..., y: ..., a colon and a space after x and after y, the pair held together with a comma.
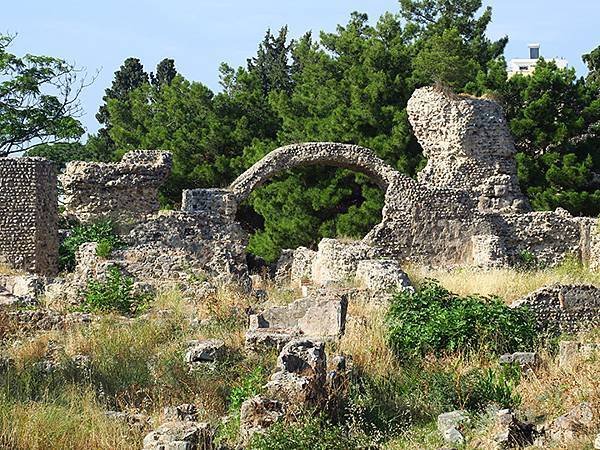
x: 122, y: 191
x: 564, y: 308
x: 29, y: 215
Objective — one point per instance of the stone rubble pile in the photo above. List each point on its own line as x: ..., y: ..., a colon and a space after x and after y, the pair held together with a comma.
x: 302, y: 380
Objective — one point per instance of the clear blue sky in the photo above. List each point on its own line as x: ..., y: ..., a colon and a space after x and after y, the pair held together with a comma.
x: 200, y: 34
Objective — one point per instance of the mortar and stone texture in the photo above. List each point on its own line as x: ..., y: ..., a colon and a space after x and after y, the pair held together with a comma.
x: 29, y: 215
x: 124, y: 191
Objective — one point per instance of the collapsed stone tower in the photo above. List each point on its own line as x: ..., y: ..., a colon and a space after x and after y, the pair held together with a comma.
x: 468, y: 147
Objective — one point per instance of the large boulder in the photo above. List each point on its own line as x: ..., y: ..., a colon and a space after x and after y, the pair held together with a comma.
x: 200, y: 352
x: 301, y: 376
x: 451, y: 425
x: 180, y: 435
x: 573, y: 424
x: 382, y: 276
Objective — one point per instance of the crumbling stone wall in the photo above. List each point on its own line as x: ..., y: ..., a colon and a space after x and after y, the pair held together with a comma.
x: 123, y: 191
x: 199, y: 243
x: 29, y: 215
x: 464, y: 208
x: 468, y: 147
x: 564, y: 308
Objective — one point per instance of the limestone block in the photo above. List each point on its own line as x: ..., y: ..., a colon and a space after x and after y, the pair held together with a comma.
x: 302, y: 260
x: 257, y: 414
x: 382, y: 275
x: 181, y: 435
x: 572, y: 424
x: 336, y: 261
x: 199, y: 352
x: 450, y: 425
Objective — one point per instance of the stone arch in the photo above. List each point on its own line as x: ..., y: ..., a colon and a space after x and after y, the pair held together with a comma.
x: 348, y: 156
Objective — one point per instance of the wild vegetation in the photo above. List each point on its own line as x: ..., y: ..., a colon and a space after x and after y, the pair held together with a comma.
x: 400, y: 381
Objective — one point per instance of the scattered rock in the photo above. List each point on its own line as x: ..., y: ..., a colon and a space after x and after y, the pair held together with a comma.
x: 134, y: 420
x: 204, y: 351
x: 301, y: 376
x: 597, y: 442
x: 262, y: 339
x: 571, y: 351
x: 513, y: 433
x: 527, y: 360
x: 183, y: 413
x: 571, y: 425
x: 257, y: 414
x: 450, y: 425
x: 28, y: 286
x: 180, y: 435
x: 382, y: 276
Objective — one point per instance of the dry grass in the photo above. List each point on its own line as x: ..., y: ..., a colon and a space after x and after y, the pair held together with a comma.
x: 76, y: 422
x: 5, y: 269
x: 365, y: 339
x: 553, y: 391
x: 508, y: 284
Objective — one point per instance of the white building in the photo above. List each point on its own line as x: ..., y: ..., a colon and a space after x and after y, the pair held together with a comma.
x: 526, y: 66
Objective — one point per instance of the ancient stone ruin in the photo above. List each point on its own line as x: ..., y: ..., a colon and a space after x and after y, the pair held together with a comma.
x: 28, y: 215
x: 124, y: 191
x: 464, y: 209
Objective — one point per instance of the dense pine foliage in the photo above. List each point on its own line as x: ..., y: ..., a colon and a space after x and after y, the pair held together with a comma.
x: 350, y: 86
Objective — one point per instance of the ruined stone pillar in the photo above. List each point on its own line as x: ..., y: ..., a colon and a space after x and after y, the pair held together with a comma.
x: 29, y: 215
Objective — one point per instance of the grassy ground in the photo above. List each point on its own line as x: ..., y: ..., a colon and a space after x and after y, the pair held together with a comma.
x: 137, y: 365
x: 509, y: 284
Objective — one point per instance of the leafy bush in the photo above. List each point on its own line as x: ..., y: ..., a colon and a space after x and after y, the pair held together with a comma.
x: 435, y: 320
x: 311, y: 433
x: 418, y: 393
x: 102, y: 232
x: 104, y: 248
x: 113, y: 294
x: 251, y: 385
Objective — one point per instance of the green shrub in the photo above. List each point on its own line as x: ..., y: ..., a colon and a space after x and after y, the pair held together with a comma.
x: 104, y: 248
x: 250, y: 386
x: 419, y: 392
x: 433, y: 320
x: 102, y: 232
x: 311, y: 433
x: 114, y: 294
